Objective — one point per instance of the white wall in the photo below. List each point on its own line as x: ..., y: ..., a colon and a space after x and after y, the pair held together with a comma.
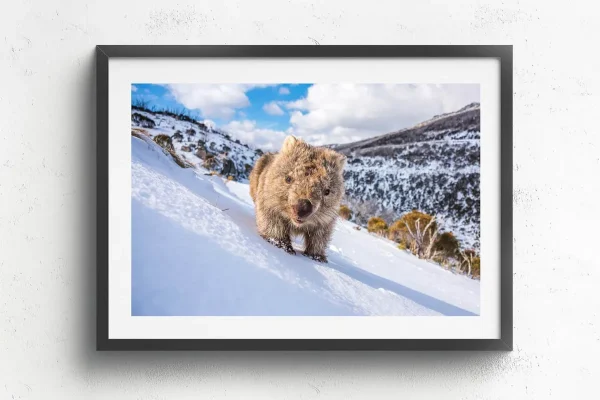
x: 47, y: 197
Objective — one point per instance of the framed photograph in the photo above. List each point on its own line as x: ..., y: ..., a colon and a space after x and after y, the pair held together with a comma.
x: 304, y: 197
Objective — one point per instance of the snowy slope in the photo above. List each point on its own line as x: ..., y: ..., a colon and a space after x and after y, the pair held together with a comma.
x: 433, y: 167
x: 194, y: 141
x: 195, y: 251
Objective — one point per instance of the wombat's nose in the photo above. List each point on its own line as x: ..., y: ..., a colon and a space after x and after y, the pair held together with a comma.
x: 303, y: 208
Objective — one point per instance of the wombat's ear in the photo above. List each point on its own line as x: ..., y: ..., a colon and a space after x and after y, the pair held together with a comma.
x: 289, y: 143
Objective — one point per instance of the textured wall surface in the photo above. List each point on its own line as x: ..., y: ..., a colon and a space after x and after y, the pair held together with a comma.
x: 47, y: 197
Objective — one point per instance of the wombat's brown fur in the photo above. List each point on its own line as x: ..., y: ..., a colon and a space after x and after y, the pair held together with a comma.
x: 298, y: 192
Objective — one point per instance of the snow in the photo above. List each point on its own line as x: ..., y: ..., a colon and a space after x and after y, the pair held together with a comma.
x: 195, y: 251
x: 215, y: 140
x: 400, y: 183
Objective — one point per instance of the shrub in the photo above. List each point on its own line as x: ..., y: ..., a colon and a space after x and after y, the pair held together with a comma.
x: 447, y: 245
x: 471, y: 262
x: 377, y: 225
x: 142, y: 120
x: 228, y: 167
x: 402, y: 246
x: 180, y: 161
x: 201, y: 153
x: 209, y: 162
x: 165, y: 142
x: 418, y: 231
x: 443, y: 261
x: 140, y: 104
x: 380, y: 228
x: 400, y: 231
x: 139, y: 133
x: 140, y: 130
x: 345, y: 212
x: 177, y: 136
x: 230, y: 178
x: 476, y: 267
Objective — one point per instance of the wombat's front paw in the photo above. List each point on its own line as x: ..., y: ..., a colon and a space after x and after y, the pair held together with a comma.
x: 286, y: 245
x: 317, y: 257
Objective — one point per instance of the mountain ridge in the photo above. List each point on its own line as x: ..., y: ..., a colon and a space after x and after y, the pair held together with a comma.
x: 432, y: 166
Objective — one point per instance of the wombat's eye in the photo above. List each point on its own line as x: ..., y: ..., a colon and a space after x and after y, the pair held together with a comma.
x: 327, y: 191
x: 288, y: 179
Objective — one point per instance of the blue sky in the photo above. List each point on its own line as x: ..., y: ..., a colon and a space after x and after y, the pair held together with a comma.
x: 262, y: 115
x: 160, y: 96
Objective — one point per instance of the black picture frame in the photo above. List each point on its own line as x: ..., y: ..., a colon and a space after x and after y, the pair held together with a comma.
x: 504, y: 53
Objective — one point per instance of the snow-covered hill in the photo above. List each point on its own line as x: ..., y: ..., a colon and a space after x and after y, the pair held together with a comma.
x: 199, y: 142
x: 195, y: 251
x: 432, y: 167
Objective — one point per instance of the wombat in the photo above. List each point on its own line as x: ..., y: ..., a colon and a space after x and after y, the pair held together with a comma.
x: 298, y: 192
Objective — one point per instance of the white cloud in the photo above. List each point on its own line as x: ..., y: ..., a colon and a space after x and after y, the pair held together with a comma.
x: 272, y: 108
x: 340, y: 113
x: 133, y: 88
x: 213, y: 101
x: 247, y: 132
x: 330, y: 113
